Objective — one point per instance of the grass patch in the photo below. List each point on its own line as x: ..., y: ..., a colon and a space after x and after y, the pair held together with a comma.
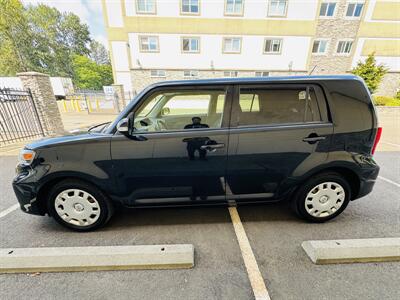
x: 386, y: 101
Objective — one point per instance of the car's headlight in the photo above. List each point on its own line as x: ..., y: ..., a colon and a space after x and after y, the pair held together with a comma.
x: 26, y: 156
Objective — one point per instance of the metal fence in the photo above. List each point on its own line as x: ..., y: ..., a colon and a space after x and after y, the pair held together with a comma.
x: 92, y: 102
x: 89, y: 101
x: 19, y: 119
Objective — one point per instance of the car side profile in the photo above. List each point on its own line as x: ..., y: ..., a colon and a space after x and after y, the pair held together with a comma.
x: 309, y: 140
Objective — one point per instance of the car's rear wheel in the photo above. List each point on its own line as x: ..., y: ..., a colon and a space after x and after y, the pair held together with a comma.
x: 322, y: 197
x: 79, y: 205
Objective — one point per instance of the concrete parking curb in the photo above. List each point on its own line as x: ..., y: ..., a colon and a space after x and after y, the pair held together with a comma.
x: 68, y: 259
x: 353, y: 250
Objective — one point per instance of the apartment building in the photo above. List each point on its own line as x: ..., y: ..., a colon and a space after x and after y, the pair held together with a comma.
x: 153, y: 40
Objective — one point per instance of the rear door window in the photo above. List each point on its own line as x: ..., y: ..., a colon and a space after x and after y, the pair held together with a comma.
x: 269, y: 106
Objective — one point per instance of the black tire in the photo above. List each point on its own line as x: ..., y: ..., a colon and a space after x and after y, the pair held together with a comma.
x: 105, y: 205
x: 298, y: 202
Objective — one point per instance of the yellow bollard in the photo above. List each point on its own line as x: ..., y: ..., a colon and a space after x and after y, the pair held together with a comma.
x: 89, y: 103
x: 64, y: 104
x: 97, y: 104
x: 78, y: 106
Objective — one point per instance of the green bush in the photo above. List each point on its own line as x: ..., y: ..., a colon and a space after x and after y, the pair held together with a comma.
x: 386, y: 101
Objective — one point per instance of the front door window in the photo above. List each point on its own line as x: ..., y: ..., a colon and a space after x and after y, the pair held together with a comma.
x: 180, y: 110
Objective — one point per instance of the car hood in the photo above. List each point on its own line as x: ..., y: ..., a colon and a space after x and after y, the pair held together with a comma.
x: 77, y: 137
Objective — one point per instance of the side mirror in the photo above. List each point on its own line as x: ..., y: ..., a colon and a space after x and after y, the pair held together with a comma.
x: 123, y: 126
x: 165, y: 111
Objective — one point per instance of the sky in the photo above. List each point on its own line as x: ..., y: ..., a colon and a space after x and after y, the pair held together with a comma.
x: 89, y: 11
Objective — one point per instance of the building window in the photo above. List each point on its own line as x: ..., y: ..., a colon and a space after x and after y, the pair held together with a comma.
x: 190, y: 73
x: 158, y: 73
x: 190, y: 7
x: 344, y: 47
x: 146, y: 6
x: 148, y: 43
x: 277, y: 8
x: 354, y: 10
x: 261, y: 74
x: 273, y: 46
x: 190, y: 44
x: 232, y: 45
x: 327, y: 9
x: 319, y: 46
x: 231, y: 73
x: 234, y: 7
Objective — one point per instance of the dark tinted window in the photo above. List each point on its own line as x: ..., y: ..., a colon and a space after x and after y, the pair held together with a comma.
x: 260, y: 106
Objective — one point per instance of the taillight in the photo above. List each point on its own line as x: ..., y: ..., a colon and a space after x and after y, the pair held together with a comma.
x: 377, y: 138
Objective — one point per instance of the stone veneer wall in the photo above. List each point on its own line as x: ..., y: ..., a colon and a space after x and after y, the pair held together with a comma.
x: 141, y: 78
x: 335, y: 29
x: 389, y: 85
x: 45, y: 101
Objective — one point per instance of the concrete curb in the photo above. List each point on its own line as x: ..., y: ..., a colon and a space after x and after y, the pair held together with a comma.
x: 353, y: 251
x: 69, y: 259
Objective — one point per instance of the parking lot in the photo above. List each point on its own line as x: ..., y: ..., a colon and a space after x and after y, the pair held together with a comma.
x: 274, y: 233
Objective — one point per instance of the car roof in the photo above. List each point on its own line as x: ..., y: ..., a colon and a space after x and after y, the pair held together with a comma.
x: 249, y: 80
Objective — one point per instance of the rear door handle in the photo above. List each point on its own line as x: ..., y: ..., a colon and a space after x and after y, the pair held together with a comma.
x: 313, y: 138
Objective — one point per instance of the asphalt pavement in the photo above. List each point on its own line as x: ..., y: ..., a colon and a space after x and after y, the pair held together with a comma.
x: 275, y: 236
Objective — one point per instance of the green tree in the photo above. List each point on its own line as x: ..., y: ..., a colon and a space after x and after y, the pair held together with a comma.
x: 59, y: 37
x: 90, y: 75
x: 15, y: 38
x: 370, y: 72
x: 99, y: 53
x: 40, y: 38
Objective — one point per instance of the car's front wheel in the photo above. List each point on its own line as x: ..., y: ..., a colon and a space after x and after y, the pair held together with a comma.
x: 322, y: 197
x: 79, y: 205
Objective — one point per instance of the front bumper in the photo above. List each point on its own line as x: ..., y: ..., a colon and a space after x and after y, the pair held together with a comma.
x: 26, y: 188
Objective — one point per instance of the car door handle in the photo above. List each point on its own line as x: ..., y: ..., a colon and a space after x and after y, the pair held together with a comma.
x: 313, y: 138
x: 212, y: 147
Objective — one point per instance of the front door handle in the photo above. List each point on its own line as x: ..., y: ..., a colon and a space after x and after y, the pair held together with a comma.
x: 212, y: 147
x: 313, y: 138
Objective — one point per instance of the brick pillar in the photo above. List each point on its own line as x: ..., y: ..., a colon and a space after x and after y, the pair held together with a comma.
x: 119, y: 92
x: 45, y: 101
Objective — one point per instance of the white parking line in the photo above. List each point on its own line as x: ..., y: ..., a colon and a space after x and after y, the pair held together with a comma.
x: 390, y: 181
x: 391, y: 144
x: 255, y: 277
x: 8, y: 210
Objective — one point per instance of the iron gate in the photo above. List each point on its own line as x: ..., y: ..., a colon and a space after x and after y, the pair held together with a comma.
x: 19, y: 118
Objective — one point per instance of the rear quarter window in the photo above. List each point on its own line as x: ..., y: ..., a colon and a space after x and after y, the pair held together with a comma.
x: 269, y: 106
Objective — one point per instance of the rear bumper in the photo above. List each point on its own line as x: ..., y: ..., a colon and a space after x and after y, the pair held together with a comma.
x: 367, y: 181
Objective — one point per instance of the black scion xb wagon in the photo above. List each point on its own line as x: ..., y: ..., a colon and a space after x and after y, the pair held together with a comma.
x: 308, y: 140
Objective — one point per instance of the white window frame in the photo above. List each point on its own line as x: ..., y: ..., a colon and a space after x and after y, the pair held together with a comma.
x: 231, y: 51
x: 261, y: 73
x: 190, y: 74
x: 230, y: 73
x: 354, y: 10
x: 270, y: 14
x: 148, y: 43
x: 344, y: 53
x: 319, y: 45
x: 233, y: 13
x: 158, y: 73
x: 154, y: 11
x: 273, y: 40
x: 327, y: 8
x: 190, y: 38
x: 190, y: 6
